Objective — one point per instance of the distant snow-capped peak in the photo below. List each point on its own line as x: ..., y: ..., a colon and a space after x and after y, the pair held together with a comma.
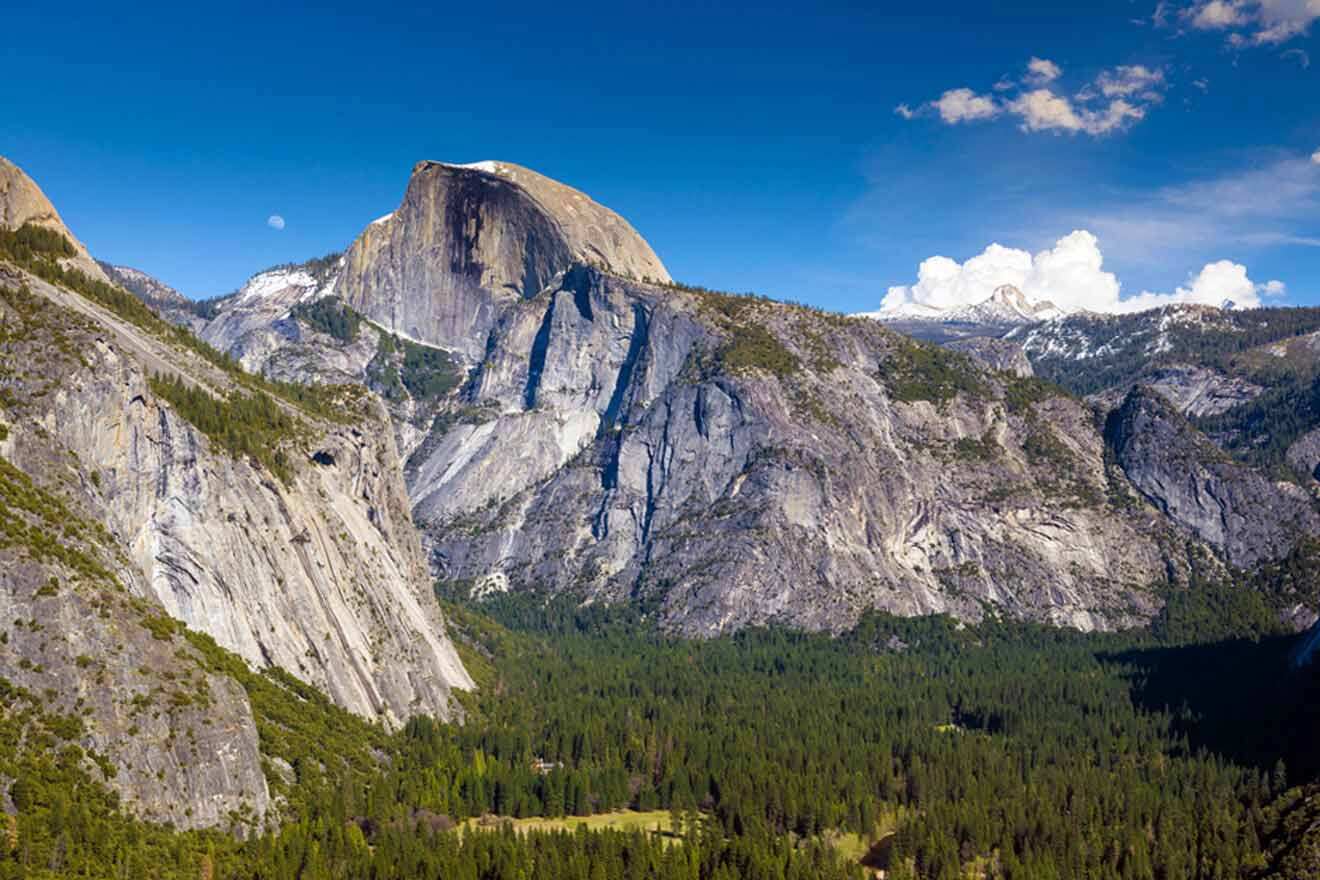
x: 1006, y: 305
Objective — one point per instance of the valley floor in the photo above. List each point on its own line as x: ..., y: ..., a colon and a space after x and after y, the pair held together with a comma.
x: 783, y: 754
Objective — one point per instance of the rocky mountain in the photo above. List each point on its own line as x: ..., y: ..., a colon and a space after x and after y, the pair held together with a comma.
x: 715, y: 456
x: 995, y: 354
x: 1229, y: 506
x: 1246, y: 377
x: 732, y: 461
x: 1091, y: 352
x: 1006, y: 309
x: 163, y: 299
x: 469, y: 241
x: 148, y: 485
x: 23, y: 203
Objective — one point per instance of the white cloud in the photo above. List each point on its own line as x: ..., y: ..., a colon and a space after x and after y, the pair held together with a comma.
x: 275, y: 221
x: 1315, y: 158
x: 1043, y: 110
x: 1042, y: 70
x: 1217, y: 284
x: 1254, y: 22
x: 964, y: 105
x: 1127, y: 80
x: 1071, y: 275
x: 1117, y: 97
x: 1281, y: 20
x: 1217, y: 15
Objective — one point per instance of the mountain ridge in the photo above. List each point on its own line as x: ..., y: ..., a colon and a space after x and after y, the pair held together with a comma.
x: 557, y: 408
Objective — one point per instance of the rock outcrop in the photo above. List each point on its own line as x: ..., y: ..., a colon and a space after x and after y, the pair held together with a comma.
x: 731, y: 460
x: 78, y: 619
x: 996, y: 354
x: 254, y: 323
x: 736, y: 461
x: 1227, y: 505
x: 1193, y: 391
x: 1303, y: 455
x: 120, y: 517
x: 163, y: 299
x: 22, y: 202
x: 322, y: 576
x: 718, y: 457
x: 469, y: 241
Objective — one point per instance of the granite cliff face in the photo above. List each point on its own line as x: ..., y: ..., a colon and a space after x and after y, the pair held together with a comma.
x: 122, y: 517
x: 1231, y: 507
x: 730, y: 460
x: 22, y: 201
x: 469, y: 241
x: 254, y: 324
x: 736, y: 462
x: 997, y: 354
x: 79, y: 623
x: 322, y: 575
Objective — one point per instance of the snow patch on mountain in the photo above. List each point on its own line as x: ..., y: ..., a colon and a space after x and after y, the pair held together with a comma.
x: 1007, y: 306
x: 281, y: 282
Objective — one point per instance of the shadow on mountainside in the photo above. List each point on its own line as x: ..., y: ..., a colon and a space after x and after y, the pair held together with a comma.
x: 1240, y: 699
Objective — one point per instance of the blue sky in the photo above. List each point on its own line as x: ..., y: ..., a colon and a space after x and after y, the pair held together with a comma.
x: 756, y: 147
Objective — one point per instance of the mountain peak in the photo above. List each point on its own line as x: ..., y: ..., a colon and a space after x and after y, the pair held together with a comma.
x: 1012, y: 297
x: 23, y: 202
x: 469, y: 240
x: 1006, y: 305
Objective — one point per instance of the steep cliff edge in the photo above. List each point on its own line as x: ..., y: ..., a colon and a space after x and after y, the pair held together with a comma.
x: 736, y: 461
x: 163, y: 299
x: 317, y: 571
x: 1233, y: 508
x: 731, y: 460
x: 469, y: 241
x: 22, y: 202
x: 147, y: 481
x: 83, y: 641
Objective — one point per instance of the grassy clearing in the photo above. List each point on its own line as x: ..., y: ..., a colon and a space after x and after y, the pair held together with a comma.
x: 867, y: 849
x: 654, y: 822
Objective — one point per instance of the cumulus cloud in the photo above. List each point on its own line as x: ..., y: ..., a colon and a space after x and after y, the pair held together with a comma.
x: 1217, y: 15
x: 1116, y: 98
x: 1254, y: 22
x: 1315, y: 158
x: 1071, y: 275
x: 1126, y: 80
x: 275, y: 221
x: 964, y: 105
x: 1219, y: 283
x: 1043, y: 110
x: 1042, y: 70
